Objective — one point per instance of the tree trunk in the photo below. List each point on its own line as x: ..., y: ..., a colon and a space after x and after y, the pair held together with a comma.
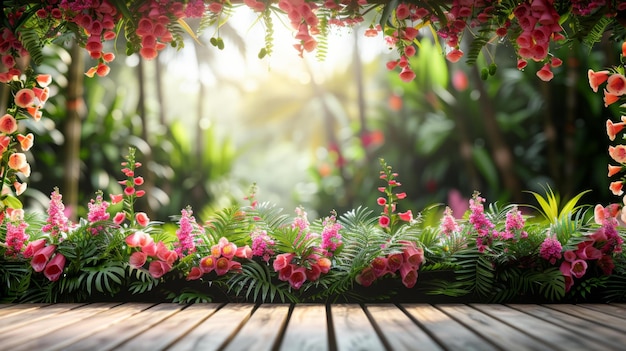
x: 75, y: 106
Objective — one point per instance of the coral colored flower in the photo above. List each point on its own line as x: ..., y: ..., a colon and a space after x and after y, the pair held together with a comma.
x: 285, y: 272
x: 142, y: 219
x: 222, y: 266
x: 379, y: 266
x: 25, y: 98
x: 228, y: 250
x: 613, y: 170
x: 138, y: 239
x: 158, y: 268
x: 597, y: 78
x: 545, y: 73
x: 616, y: 84
x: 8, y: 124
x: 41, y: 257
x: 381, y: 201
x: 282, y: 260
x: 413, y: 255
x: 313, y: 273
x: 20, y: 188
x: 44, y: 80
x: 55, y: 267
x: 194, y: 274
x: 618, y: 153
x: 609, y: 98
x: 613, y: 128
x: 150, y: 248
x: 454, y: 55
x: 33, y: 247
x: 616, y: 188
x: 406, y: 216
x: 4, y: 143
x: 137, y: 259
x: 26, y: 141
x: 407, y: 75
x: 207, y: 264
x: 409, y: 275
x: 116, y: 198
x: 384, y: 221
x: 244, y: 252
x: 17, y: 160
x: 119, y: 218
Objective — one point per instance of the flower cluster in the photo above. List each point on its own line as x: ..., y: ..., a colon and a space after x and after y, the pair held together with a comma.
x: 187, y: 234
x: 45, y: 258
x: 388, y: 219
x: 221, y: 260
x: 481, y: 224
x: 407, y: 262
x: 159, y: 258
x: 296, y: 270
x: 130, y: 194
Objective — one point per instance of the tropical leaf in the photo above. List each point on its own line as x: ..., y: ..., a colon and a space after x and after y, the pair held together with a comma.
x: 255, y: 282
x: 105, y: 278
x: 189, y: 296
x: 550, y: 206
x: 144, y: 282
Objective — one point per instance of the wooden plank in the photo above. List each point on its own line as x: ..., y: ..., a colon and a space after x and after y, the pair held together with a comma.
x: 81, y: 329
x: 353, y: 329
x: 11, y: 309
x: 213, y: 332
x: 263, y: 330
x: 578, y: 327
x: 307, y: 329
x: 593, y: 316
x: 170, y: 329
x: 501, y: 334
x: 614, y: 310
x: 398, y: 329
x: 554, y: 336
x: 447, y: 331
x: 13, y: 338
x: 28, y: 314
x: 117, y: 333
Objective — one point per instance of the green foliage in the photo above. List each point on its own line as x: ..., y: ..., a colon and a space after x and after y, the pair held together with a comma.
x: 255, y: 283
x: 550, y: 206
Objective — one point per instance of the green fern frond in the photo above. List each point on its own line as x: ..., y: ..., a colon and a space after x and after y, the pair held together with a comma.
x: 478, y: 43
x: 256, y: 284
x: 143, y: 282
x: 106, y: 278
x: 33, y: 43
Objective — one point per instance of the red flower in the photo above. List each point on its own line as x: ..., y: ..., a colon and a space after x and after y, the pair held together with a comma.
x: 297, y: 277
x: 54, y: 268
x: 194, y: 274
x: 366, y: 277
x: 384, y: 221
x: 41, y: 257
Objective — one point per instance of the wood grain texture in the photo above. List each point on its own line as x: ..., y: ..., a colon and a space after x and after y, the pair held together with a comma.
x: 398, y: 329
x: 353, y: 330
x: 262, y: 331
x: 307, y: 329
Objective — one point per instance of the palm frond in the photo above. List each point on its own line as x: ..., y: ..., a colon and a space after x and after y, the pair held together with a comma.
x: 255, y: 283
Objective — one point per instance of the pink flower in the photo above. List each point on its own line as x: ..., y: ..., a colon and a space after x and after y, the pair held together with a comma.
x: 569, y: 256
x: 8, y: 124
x: 138, y: 239
x: 384, y: 221
x: 142, y: 219
x: 54, y: 268
x: 26, y: 141
x: 149, y: 248
x: 41, y: 257
x: 616, y: 84
x: 616, y: 188
x: 550, y: 250
x: 406, y: 216
x: 228, y: 250
x: 194, y: 274
x: 413, y: 255
x: 381, y: 201
x: 33, y: 247
x: 17, y: 161
x: 409, y: 275
x: 613, y: 170
x: 613, y: 128
x: 25, y: 98
x: 597, y: 78
x: 138, y: 259
x: 285, y: 272
x: 394, y: 262
x: 407, y: 75
x: 244, y: 252
x: 609, y: 98
x: 454, y: 55
x: 297, y: 278
x: 324, y: 263
x: 44, y: 80
x: 366, y: 277
x: 618, y: 153
x: 207, y: 264
x: 282, y: 260
x: 545, y: 73
x: 379, y: 266
x: 222, y: 265
x: 158, y: 268
x: 578, y: 268
x: 313, y: 273
x: 119, y: 218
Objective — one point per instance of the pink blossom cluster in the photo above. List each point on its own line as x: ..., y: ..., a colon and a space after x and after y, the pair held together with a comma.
x: 513, y: 226
x: 482, y: 225
x: 262, y: 244
x: 57, y: 222
x: 160, y: 259
x: 303, y: 19
x: 462, y: 13
x: 45, y: 258
x: 97, y: 212
x: 15, y: 232
x: 130, y: 194
x: 221, y: 260
x: 407, y: 262
x: 297, y: 272
x: 448, y: 225
x: 331, y: 238
x: 388, y: 218
x: 550, y: 250
x: 589, y: 7
x: 186, y: 233
x: 539, y: 22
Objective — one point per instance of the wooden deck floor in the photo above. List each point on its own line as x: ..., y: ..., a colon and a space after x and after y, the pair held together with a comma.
x: 137, y: 326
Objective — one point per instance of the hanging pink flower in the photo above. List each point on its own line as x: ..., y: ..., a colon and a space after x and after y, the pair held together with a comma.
x: 55, y: 267
x: 158, y: 268
x: 33, y: 246
x: 8, y: 124
x: 616, y: 84
x: 137, y: 259
x: 41, y: 257
x: 25, y: 98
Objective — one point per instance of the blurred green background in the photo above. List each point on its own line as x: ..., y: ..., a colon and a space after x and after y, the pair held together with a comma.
x: 208, y: 124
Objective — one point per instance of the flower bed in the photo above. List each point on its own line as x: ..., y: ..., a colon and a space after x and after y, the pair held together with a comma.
x: 253, y: 251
